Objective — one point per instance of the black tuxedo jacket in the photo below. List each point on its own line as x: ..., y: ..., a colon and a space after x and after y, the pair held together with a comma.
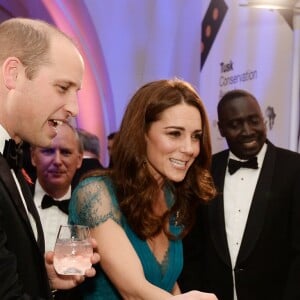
x: 268, y: 262
x: 22, y: 269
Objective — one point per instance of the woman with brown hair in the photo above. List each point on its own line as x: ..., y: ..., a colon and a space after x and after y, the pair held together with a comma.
x: 140, y: 210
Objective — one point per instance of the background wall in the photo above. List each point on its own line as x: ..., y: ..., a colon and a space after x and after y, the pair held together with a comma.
x: 126, y: 43
x: 253, y: 49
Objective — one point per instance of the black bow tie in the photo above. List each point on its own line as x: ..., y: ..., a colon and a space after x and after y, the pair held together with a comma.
x: 234, y: 165
x: 48, y: 201
x: 13, y: 153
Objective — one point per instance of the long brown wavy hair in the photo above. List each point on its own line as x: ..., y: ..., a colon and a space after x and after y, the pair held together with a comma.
x: 137, y: 190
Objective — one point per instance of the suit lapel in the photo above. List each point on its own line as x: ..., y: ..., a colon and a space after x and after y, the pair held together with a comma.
x: 259, y: 205
x: 216, y: 208
x: 31, y: 208
x: 9, y: 182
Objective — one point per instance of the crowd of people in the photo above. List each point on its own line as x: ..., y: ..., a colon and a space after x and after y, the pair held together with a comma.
x: 168, y: 218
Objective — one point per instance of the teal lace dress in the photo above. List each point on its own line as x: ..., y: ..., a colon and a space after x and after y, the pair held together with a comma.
x: 88, y: 208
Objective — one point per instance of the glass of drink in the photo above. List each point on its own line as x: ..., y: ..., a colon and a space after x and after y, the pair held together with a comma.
x: 73, y: 250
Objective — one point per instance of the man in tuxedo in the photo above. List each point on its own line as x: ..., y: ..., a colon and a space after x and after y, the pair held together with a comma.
x: 55, y: 167
x: 91, y: 155
x: 246, y: 244
x: 41, y: 73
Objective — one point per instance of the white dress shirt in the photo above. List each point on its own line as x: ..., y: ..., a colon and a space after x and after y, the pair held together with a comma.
x: 51, y: 217
x: 238, y: 193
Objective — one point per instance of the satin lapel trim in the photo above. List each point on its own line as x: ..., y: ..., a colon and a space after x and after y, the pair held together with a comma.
x: 259, y: 205
x: 9, y: 183
x: 216, y: 210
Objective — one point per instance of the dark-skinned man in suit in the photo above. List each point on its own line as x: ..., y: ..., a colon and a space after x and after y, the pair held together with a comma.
x: 246, y: 244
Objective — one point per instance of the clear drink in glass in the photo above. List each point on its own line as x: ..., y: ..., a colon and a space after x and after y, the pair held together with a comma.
x: 73, y: 250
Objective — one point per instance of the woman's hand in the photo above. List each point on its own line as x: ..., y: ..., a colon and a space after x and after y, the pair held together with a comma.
x: 195, y: 295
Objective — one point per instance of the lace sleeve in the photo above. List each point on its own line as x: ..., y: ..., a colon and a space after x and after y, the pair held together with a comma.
x: 93, y: 202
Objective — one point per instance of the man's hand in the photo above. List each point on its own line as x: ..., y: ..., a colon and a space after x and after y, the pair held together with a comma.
x: 66, y: 282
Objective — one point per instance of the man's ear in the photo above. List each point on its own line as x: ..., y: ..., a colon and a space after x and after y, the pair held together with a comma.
x: 80, y: 158
x: 10, y: 69
x: 220, y: 129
